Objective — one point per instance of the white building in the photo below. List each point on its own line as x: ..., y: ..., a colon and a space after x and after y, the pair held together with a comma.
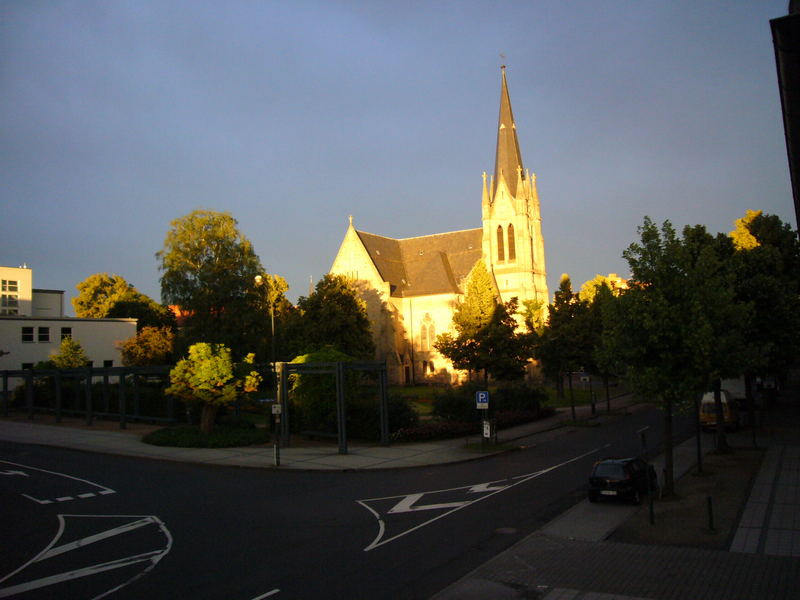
x: 32, y: 325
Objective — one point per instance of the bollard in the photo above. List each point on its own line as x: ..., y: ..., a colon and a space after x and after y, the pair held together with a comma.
x: 710, y: 504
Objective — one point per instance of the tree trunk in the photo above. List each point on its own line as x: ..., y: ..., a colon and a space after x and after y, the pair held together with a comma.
x: 608, y: 392
x: 720, y: 438
x: 207, y: 418
x: 669, y: 478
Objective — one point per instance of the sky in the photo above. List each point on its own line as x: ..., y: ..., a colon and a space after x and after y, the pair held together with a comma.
x: 118, y: 117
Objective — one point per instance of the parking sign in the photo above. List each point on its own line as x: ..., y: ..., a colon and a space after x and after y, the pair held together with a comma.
x: 482, y: 399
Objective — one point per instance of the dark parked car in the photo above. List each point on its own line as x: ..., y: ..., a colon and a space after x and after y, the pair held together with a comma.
x: 621, y: 478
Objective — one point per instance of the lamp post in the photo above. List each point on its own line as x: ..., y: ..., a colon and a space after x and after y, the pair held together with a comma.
x: 259, y: 281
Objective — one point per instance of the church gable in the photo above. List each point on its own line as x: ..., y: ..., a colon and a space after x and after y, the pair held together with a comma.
x: 354, y: 260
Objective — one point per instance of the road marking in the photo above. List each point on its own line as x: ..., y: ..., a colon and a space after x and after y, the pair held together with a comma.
x: 267, y: 595
x: 102, y: 490
x: 406, y: 503
x: 152, y: 557
x: 23, y: 473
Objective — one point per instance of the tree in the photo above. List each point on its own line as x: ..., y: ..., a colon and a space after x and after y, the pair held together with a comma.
x: 150, y: 346
x: 767, y: 266
x: 208, y: 269
x: 70, y: 355
x: 209, y: 377
x: 102, y: 295
x: 562, y: 346
x: 98, y: 293
x: 678, y: 328
x: 486, y: 337
x: 333, y: 316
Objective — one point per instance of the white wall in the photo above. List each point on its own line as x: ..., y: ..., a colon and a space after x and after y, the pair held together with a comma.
x: 98, y: 337
x: 24, y: 282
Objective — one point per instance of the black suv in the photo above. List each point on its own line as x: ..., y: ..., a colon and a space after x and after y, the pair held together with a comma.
x: 621, y: 478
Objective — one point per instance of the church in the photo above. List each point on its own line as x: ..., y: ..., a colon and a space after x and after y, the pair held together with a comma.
x: 411, y: 286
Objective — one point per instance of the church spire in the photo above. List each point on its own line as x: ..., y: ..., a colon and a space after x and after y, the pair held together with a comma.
x: 508, y: 160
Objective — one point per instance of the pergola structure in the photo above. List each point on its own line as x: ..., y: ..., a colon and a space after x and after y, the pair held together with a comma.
x: 284, y: 369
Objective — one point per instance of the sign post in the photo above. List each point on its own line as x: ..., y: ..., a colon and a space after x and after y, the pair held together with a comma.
x: 276, y: 412
x: 482, y: 403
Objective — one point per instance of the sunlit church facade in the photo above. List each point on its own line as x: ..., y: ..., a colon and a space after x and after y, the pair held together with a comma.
x: 411, y: 286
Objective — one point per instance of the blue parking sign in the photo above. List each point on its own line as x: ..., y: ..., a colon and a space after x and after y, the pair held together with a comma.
x: 482, y: 399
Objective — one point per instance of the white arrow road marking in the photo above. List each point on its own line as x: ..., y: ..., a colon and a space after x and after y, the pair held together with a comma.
x: 407, y: 505
x: 488, y: 489
x: 152, y: 557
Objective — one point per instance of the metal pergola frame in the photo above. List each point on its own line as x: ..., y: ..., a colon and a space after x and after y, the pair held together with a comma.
x: 284, y: 370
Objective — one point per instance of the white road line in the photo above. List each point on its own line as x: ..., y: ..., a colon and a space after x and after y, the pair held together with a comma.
x: 85, y: 572
x: 153, y: 557
x: 267, y: 595
x: 102, y: 490
x: 55, y: 551
x: 407, y: 500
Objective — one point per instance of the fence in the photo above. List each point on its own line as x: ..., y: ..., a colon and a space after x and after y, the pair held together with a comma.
x: 137, y: 394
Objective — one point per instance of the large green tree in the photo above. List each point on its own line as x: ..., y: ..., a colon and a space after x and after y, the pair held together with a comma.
x: 767, y: 265
x: 678, y: 328
x: 333, y: 316
x: 208, y: 269
x: 102, y: 295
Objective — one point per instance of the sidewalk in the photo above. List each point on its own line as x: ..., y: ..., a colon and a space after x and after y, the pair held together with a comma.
x: 569, y: 559
x: 110, y: 440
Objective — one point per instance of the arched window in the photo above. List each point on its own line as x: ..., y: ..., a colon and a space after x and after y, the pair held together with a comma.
x: 427, y: 333
x: 512, y: 244
x: 501, y: 255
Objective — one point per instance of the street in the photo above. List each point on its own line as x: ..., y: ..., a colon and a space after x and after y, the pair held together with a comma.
x: 85, y: 525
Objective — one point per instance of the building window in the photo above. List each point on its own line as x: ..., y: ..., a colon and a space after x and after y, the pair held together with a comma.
x: 66, y: 333
x: 501, y: 255
x: 427, y: 333
x: 9, y: 299
x: 512, y: 244
x: 27, y: 334
x: 108, y: 363
x: 26, y: 366
x: 44, y: 334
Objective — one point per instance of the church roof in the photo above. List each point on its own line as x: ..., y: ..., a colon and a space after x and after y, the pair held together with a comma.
x: 430, y: 264
x: 508, y: 160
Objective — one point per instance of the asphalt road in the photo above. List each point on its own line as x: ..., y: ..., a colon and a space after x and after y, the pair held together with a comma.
x: 82, y: 525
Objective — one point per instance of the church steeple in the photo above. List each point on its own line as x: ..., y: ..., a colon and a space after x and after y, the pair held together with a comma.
x: 513, y: 247
x: 508, y: 160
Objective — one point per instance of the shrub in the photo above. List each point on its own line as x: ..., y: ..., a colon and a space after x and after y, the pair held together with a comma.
x: 434, y: 430
x: 228, y: 435
x: 363, y: 416
x: 314, y: 395
x: 458, y: 403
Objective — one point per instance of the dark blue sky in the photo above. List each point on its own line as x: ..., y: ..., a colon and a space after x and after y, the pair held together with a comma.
x: 118, y: 117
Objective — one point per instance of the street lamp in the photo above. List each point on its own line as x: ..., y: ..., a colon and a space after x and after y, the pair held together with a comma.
x: 259, y: 281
